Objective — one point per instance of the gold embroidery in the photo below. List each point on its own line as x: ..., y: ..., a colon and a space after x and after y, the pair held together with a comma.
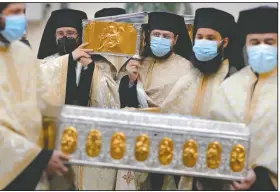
x: 203, y: 82
x: 81, y: 177
x: 206, y: 87
x: 4, y: 49
x: 253, y: 101
x: 49, y: 133
x: 128, y: 177
x: 149, y: 75
x: 252, y: 106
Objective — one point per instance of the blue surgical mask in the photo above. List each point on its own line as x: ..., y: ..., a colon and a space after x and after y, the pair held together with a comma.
x: 160, y: 46
x: 15, y: 27
x: 262, y: 58
x: 205, y: 50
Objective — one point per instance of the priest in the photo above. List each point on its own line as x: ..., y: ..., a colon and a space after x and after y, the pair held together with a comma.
x: 107, y: 74
x: 165, y: 59
x: 23, y: 160
x: 217, y: 53
x: 150, y: 80
x: 250, y: 97
x: 76, y: 78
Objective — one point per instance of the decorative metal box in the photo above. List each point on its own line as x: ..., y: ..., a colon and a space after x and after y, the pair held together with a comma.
x: 120, y: 35
x: 152, y: 142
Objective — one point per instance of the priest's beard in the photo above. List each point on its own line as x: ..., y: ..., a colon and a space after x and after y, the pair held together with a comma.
x: 66, y: 45
x: 208, y: 67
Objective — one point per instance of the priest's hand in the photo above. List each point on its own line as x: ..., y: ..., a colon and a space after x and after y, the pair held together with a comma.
x: 56, y: 164
x: 246, y: 183
x: 133, y: 68
x: 81, y: 52
x: 85, y: 61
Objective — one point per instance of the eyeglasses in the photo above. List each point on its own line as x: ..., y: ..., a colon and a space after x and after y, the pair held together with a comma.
x: 164, y: 35
x: 61, y: 34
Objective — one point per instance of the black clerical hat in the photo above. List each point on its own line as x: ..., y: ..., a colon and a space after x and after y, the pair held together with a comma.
x: 109, y: 12
x: 68, y: 18
x: 215, y: 19
x: 258, y: 20
x: 165, y: 21
x: 173, y: 23
x: 225, y: 24
x: 59, y: 18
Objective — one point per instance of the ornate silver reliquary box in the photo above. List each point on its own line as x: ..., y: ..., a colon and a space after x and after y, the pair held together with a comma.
x: 151, y: 142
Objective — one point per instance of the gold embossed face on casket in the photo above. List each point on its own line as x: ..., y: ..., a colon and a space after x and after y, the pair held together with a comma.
x: 118, y: 147
x: 94, y: 143
x: 142, y: 147
x: 214, y: 155
x: 166, y: 150
x: 111, y: 37
x: 237, y: 158
x: 69, y: 140
x: 190, y: 153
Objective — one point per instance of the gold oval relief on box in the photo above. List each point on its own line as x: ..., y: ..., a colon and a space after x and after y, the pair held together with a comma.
x: 69, y: 140
x: 214, y: 155
x: 142, y: 147
x: 118, y: 145
x: 237, y: 158
x: 94, y: 143
x: 166, y: 150
x: 111, y: 37
x: 190, y: 153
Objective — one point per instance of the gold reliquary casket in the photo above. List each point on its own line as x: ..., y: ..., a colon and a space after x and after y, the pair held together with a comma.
x: 153, y: 142
x: 120, y: 35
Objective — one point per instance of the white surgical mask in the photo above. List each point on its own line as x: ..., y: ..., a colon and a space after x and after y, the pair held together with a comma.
x: 205, y: 50
x: 160, y: 46
x: 15, y: 27
x: 262, y: 58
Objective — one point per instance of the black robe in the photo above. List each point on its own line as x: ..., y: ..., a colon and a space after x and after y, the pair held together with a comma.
x: 262, y: 183
x: 31, y: 175
x: 78, y: 95
x: 128, y: 96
